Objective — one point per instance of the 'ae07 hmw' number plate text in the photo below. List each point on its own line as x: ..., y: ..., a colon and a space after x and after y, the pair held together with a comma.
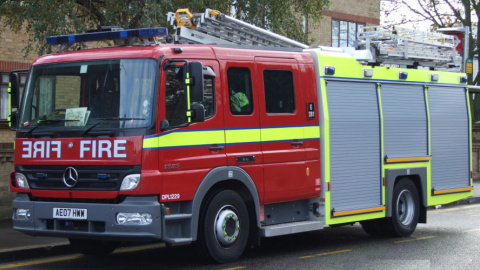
x: 70, y: 213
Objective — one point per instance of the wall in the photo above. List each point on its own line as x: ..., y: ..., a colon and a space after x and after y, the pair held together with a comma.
x: 11, y: 57
x: 6, y: 166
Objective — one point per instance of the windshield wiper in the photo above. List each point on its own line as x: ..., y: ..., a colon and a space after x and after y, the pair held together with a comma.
x: 43, y: 122
x: 87, y: 131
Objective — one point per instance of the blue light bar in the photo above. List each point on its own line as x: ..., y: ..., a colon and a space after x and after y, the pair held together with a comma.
x: 108, y: 35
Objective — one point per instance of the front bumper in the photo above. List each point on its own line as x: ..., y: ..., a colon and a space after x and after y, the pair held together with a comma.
x: 100, y: 223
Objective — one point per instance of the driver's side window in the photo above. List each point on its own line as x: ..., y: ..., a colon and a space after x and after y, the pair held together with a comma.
x: 175, y: 100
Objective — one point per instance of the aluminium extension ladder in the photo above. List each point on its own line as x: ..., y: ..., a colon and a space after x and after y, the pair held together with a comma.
x: 215, y: 27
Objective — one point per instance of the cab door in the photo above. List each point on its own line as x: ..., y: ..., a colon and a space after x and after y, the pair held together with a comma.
x: 281, y: 132
x: 242, y: 120
x: 188, y: 152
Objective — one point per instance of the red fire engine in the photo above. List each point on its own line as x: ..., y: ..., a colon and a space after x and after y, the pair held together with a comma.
x: 224, y: 144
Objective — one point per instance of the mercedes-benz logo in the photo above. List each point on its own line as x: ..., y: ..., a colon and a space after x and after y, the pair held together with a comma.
x: 70, y: 177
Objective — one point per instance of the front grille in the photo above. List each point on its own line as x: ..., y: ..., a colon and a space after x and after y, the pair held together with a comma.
x: 75, y: 225
x: 90, y: 178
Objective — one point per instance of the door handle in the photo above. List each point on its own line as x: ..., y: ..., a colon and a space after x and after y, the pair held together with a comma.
x: 297, y: 143
x: 216, y: 148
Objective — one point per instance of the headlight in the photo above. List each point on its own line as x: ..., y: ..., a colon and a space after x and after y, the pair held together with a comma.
x: 21, y: 214
x: 21, y: 181
x: 130, y: 182
x: 134, y: 219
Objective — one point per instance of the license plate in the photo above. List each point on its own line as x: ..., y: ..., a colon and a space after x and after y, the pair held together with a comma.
x: 69, y: 213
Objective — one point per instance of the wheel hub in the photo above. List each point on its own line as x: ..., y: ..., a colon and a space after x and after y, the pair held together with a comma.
x: 405, y: 207
x: 227, y: 226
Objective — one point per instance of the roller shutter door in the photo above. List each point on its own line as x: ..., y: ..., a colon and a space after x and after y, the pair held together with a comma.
x: 404, y: 120
x: 355, y: 156
x: 450, y: 137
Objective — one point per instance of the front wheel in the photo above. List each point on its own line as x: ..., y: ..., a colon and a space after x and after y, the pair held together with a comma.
x: 224, y: 228
x: 405, y: 208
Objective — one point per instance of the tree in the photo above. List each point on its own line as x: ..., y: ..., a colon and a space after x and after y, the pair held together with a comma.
x: 43, y: 18
x: 439, y: 14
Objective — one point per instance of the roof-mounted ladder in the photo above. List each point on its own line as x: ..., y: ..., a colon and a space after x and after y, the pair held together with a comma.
x: 409, y: 47
x: 214, y: 27
x: 374, y: 45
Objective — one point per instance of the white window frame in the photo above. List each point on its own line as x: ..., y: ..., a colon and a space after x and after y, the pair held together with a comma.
x: 347, y: 38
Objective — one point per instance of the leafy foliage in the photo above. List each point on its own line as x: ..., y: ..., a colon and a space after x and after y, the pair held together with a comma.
x: 43, y: 18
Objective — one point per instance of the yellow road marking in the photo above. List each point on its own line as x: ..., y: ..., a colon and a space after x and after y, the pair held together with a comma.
x: 326, y: 253
x: 140, y: 248
x: 61, y: 259
x: 234, y: 268
x: 473, y: 230
x: 415, y: 239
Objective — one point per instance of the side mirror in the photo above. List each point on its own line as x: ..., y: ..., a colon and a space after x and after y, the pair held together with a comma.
x: 164, y: 125
x: 196, y: 85
x: 198, y: 113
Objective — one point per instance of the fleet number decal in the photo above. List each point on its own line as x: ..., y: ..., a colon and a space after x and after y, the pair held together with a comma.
x: 174, y: 196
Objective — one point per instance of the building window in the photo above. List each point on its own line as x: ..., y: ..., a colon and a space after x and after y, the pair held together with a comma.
x: 344, y: 33
x: 4, y: 79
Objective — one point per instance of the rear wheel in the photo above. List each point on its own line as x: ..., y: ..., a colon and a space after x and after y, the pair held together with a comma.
x: 224, y: 228
x: 93, y: 247
x: 377, y: 227
x: 405, y: 208
x: 405, y: 213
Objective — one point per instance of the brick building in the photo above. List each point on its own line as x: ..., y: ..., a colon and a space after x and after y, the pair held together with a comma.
x: 341, y: 21
x: 11, y: 58
x: 338, y: 28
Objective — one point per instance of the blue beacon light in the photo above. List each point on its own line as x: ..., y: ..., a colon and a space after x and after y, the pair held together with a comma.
x: 108, y: 35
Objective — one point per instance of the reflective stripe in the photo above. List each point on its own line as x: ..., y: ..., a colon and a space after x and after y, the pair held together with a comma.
x: 195, y: 138
x: 415, y: 159
x: 278, y: 134
x: 177, y: 139
x: 456, y: 190
x: 241, y: 136
x: 311, y: 132
x: 357, y: 212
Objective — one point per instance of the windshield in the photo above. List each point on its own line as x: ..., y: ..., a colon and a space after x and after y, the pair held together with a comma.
x: 90, y: 95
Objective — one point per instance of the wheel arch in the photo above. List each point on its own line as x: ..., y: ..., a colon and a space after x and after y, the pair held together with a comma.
x: 221, y: 178
x: 418, y: 176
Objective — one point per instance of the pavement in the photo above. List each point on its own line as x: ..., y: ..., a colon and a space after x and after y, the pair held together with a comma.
x: 14, y: 241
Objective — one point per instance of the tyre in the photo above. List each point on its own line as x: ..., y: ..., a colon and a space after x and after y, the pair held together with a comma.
x: 377, y: 227
x: 405, y: 208
x: 224, y: 227
x: 93, y: 247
